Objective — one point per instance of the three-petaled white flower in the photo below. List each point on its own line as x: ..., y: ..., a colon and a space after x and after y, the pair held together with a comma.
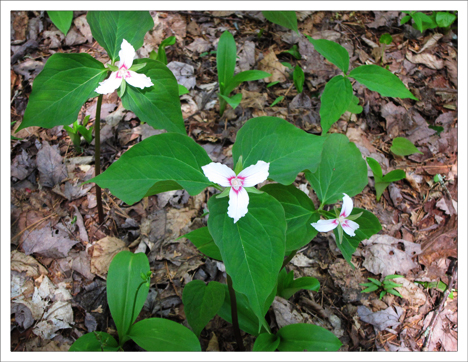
x: 126, y: 55
x: 238, y: 196
x: 343, y: 220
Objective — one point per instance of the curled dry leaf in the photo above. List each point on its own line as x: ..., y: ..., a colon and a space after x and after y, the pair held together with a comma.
x: 272, y: 65
x: 381, y: 319
x: 25, y: 263
x: 429, y: 60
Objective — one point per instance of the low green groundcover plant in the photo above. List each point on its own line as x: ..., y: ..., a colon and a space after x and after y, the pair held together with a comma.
x: 255, y: 231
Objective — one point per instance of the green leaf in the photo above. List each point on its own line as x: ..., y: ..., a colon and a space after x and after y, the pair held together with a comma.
x: 109, y: 28
x: 61, y: 19
x: 266, y: 342
x: 288, y: 149
x: 368, y: 226
x: 445, y: 19
x: 423, y: 22
x: 161, y: 56
x: 336, y: 97
x: 375, y: 281
x: 382, y: 81
x: 253, y: 248
x: 159, y: 106
x: 438, y: 129
x: 90, y: 343
x: 162, y: 335
x: 341, y: 170
x: 354, y: 106
x: 204, y: 242
x: 298, y: 77
x: 182, y: 90
x: 225, y: 60
x: 332, y: 51
x: 164, y: 162
x: 300, y: 213
x: 246, y: 76
x: 395, y: 175
x: 277, y: 100
x: 294, y: 52
x: 376, y: 169
x: 403, y: 147
x: 390, y: 284
x: 287, y: 19
x: 380, y: 188
x: 394, y: 292
x: 307, y: 337
x: 123, y: 280
x: 405, y: 19
x: 393, y: 276
x: 59, y: 91
x: 201, y: 303
x: 308, y: 283
x: 372, y: 288
x: 248, y: 321
x: 272, y: 84
x: 287, y: 65
x: 385, y: 39
x: 232, y: 101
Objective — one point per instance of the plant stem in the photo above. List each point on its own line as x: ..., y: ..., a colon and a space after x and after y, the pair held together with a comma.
x: 289, y: 258
x: 235, y: 321
x: 97, y: 157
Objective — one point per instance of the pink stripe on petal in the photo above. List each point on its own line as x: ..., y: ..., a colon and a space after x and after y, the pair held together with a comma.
x: 126, y: 54
x: 238, y: 204
x: 138, y: 80
x: 109, y: 85
x: 347, y: 206
x: 255, y: 174
x: 218, y: 173
x: 325, y: 225
x: 349, y: 227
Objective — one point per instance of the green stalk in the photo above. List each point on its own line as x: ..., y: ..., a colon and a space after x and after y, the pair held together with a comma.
x: 97, y: 157
x: 235, y: 321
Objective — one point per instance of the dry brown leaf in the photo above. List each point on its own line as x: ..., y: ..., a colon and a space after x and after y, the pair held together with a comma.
x: 347, y: 280
x: 213, y: 345
x: 52, y: 171
x: 254, y: 100
x: 381, y: 319
x: 429, y: 60
x: 431, y: 42
x: 285, y: 314
x: 82, y: 24
x: 22, y: 166
x: 199, y: 45
x: 24, y: 263
x: 48, y: 242
x: 184, y: 73
x: 411, y: 292
x: 272, y: 65
x: 103, y: 252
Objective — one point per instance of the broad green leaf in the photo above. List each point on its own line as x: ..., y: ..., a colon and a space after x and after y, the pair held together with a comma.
x: 89, y: 342
x: 59, y: 91
x: 182, y: 90
x: 403, y: 147
x: 405, y: 19
x: 203, y: 240
x: 368, y: 226
x: 109, y: 28
x: 225, y: 60
x: 266, y: 342
x: 163, y: 335
x: 277, y: 100
x: 341, y: 170
x: 172, y: 159
x: 123, y: 280
x: 161, y: 56
x: 423, y: 22
x: 245, y: 76
x: 380, y: 188
x: 307, y: 337
x: 300, y: 213
x: 381, y: 80
x: 332, y: 51
x: 159, y: 106
x: 308, y: 283
x: 61, y: 19
x: 445, y: 19
x: 298, y: 77
x: 287, y: 19
x: 288, y: 149
x: 232, y: 101
x: 354, y: 106
x: 376, y: 169
x: 201, y: 303
x: 253, y: 248
x: 336, y: 97
x: 248, y: 321
x: 395, y: 175
x: 385, y: 39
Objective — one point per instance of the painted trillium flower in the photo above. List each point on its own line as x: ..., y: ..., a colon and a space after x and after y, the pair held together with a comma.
x: 124, y: 72
x: 344, y: 220
x: 237, y: 184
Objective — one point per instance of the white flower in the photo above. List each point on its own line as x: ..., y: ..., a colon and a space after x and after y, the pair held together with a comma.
x: 343, y: 220
x: 238, y: 196
x: 126, y: 55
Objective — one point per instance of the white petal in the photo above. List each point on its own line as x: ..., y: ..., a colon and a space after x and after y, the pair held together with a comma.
x: 218, y: 173
x: 347, y: 206
x: 349, y: 227
x: 126, y: 54
x: 138, y: 80
x: 325, y: 225
x: 255, y: 174
x: 109, y: 85
x: 238, y: 202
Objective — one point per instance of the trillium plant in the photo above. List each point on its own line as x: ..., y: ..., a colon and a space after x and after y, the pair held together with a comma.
x: 256, y: 224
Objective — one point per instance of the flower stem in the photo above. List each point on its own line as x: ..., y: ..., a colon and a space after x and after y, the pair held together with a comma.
x: 289, y: 258
x: 235, y: 321
x: 97, y: 157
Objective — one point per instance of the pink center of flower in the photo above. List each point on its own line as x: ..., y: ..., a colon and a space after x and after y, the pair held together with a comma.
x: 123, y: 72
x: 342, y: 220
x: 236, y: 183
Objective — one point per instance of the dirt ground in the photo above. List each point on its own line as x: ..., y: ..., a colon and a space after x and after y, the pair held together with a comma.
x: 58, y: 246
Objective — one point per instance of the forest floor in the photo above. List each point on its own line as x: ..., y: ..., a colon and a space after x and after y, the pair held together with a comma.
x: 58, y: 246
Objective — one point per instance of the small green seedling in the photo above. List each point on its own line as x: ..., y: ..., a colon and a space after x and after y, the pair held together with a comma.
x: 384, y: 287
x: 76, y: 131
x: 440, y: 286
x: 403, y: 147
x: 423, y: 22
x: 276, y: 101
x: 161, y: 54
x: 298, y: 78
x: 294, y: 52
x: 381, y: 182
